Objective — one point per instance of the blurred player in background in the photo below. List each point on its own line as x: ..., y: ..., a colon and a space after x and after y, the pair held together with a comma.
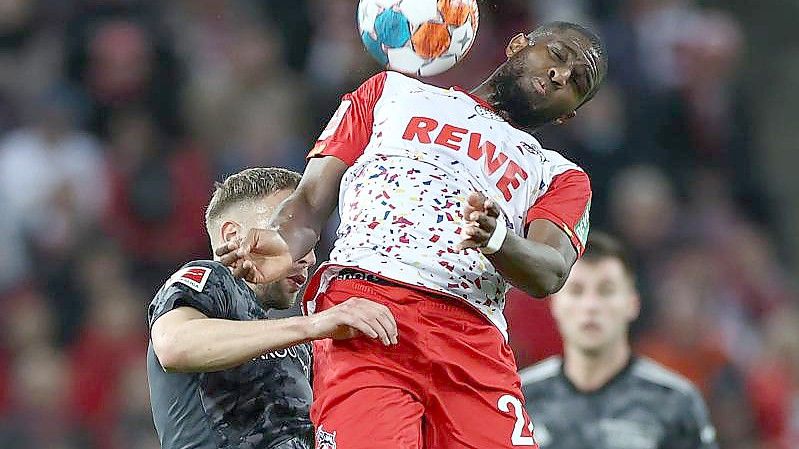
x: 444, y: 200
x: 220, y: 373
x: 600, y: 395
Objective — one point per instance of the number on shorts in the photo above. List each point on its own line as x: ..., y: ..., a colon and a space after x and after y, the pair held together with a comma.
x: 516, y: 439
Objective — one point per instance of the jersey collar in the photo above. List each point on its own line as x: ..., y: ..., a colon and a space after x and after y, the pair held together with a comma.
x: 479, y: 100
x: 622, y: 373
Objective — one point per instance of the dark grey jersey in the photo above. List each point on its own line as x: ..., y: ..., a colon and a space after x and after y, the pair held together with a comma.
x: 645, y: 406
x: 263, y: 403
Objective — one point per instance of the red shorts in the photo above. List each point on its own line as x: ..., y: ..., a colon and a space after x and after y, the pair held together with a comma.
x: 450, y: 383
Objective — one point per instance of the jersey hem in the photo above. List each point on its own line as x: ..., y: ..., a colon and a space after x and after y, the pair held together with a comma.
x: 323, y: 276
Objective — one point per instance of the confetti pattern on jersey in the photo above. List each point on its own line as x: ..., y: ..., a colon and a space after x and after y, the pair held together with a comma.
x: 399, y: 240
x: 402, y: 200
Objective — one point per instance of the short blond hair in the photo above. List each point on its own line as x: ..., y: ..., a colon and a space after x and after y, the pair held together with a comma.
x: 246, y: 185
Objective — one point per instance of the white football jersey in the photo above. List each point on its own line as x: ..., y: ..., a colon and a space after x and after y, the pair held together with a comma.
x: 416, y: 152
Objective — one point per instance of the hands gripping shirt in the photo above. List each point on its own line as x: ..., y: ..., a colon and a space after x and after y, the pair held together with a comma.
x: 415, y: 152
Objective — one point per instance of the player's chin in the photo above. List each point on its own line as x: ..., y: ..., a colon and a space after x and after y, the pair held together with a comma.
x: 589, y: 347
x: 285, y: 300
x: 290, y: 287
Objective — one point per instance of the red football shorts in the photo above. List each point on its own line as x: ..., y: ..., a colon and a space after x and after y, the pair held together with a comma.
x: 450, y: 383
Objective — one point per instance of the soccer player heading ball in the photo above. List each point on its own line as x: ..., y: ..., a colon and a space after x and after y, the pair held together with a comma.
x: 444, y: 203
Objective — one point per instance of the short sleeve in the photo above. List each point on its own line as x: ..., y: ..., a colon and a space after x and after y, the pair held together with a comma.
x: 696, y: 430
x: 199, y: 285
x: 567, y: 204
x: 349, y: 130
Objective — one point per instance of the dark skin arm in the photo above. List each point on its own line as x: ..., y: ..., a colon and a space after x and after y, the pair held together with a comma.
x: 538, y: 264
x: 265, y: 255
x: 301, y: 217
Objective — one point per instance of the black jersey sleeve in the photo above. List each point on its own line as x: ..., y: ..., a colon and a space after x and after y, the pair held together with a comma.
x: 696, y: 429
x: 198, y: 284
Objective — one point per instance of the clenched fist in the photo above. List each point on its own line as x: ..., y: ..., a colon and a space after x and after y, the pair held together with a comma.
x: 481, y: 216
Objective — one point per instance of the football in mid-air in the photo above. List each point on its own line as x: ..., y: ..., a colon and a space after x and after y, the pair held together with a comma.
x: 418, y: 37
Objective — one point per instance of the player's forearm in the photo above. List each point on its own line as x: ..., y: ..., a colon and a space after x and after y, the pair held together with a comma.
x: 204, y: 345
x: 302, y: 215
x: 300, y: 222
x: 535, y: 268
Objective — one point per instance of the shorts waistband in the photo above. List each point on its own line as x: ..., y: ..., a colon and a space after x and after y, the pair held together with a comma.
x: 348, y: 274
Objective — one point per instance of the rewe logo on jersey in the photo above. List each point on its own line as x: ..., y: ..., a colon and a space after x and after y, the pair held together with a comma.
x: 421, y: 129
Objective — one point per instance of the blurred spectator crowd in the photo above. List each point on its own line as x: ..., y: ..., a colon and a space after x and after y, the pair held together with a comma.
x: 116, y: 116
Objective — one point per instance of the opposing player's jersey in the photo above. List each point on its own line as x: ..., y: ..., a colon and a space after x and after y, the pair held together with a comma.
x: 645, y: 406
x: 416, y: 152
x: 263, y: 403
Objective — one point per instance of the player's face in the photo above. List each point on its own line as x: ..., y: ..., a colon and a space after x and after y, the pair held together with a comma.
x: 281, y: 294
x: 545, y: 80
x: 596, y: 305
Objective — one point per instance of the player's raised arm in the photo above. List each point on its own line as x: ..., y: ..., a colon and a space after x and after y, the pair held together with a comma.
x: 540, y: 263
x: 300, y: 218
x: 266, y: 254
x: 557, y: 228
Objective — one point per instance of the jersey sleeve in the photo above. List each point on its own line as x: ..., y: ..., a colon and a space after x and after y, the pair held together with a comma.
x: 348, y: 133
x: 567, y: 204
x: 199, y: 285
x: 695, y: 429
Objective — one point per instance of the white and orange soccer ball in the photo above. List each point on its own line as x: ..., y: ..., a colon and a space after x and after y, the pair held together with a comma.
x: 418, y: 37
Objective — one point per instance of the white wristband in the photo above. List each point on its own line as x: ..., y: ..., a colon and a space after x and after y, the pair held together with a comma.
x: 497, y: 237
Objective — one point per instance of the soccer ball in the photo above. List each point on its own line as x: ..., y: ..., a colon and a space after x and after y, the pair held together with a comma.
x: 418, y: 37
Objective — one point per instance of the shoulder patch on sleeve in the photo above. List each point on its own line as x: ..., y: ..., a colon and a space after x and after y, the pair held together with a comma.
x: 582, y: 226
x: 193, y: 277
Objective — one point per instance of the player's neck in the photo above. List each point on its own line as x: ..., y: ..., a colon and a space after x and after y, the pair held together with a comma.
x: 590, y: 372
x: 484, y: 91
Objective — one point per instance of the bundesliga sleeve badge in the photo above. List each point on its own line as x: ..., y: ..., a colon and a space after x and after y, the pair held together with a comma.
x: 193, y: 277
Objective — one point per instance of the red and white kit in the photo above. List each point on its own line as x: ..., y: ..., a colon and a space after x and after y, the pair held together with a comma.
x: 415, y: 153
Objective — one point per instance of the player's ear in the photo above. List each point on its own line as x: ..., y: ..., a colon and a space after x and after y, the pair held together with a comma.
x: 635, y: 306
x: 565, y: 117
x: 230, y: 231
x: 517, y: 43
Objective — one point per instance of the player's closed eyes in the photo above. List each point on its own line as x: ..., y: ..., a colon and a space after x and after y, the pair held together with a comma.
x: 558, y: 53
x: 580, y: 78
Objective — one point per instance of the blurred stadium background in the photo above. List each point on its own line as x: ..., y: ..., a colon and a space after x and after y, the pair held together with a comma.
x: 117, y: 115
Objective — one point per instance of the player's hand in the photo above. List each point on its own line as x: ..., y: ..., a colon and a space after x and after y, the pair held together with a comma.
x: 481, y: 216
x: 352, y: 318
x: 261, y: 257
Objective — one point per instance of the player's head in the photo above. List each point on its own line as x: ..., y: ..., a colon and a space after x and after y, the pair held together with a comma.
x: 549, y: 74
x: 599, y: 300
x: 246, y: 200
